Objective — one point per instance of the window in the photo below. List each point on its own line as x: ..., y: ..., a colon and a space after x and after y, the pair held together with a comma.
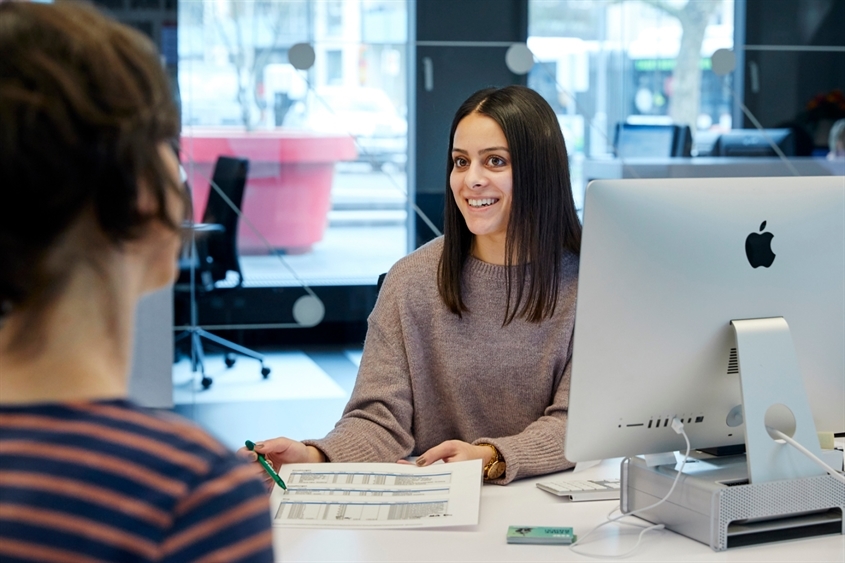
x: 334, y: 67
x: 602, y: 62
x: 324, y: 209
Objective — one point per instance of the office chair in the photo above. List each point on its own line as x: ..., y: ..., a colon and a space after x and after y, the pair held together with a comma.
x: 213, y: 253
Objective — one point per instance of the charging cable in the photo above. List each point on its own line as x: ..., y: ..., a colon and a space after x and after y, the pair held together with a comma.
x: 678, y: 427
x: 792, y: 442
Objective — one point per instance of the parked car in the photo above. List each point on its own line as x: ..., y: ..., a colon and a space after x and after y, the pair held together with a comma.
x: 367, y: 114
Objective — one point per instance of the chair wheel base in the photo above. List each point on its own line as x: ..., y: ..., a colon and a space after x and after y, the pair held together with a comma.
x: 206, y: 382
x: 265, y: 372
x: 230, y: 360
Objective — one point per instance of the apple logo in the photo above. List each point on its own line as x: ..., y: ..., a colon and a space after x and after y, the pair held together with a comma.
x: 758, y: 248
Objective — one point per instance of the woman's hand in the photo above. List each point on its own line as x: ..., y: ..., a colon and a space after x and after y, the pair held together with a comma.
x: 279, y: 451
x: 455, y: 450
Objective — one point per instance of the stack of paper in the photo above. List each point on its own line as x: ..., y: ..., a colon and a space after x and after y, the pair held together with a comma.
x: 378, y: 495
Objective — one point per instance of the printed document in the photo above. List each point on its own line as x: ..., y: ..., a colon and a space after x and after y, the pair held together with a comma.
x: 378, y: 495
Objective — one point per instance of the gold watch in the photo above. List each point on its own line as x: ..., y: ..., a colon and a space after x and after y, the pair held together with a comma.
x: 495, y: 468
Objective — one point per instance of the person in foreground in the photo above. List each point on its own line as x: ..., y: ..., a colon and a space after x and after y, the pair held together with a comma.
x: 468, y: 350
x: 90, y: 210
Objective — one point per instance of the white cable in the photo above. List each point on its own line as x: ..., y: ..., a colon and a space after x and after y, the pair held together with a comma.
x: 789, y: 440
x: 678, y: 427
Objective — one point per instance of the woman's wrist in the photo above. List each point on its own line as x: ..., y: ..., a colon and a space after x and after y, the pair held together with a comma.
x: 315, y: 455
x: 495, y: 466
x: 486, y: 454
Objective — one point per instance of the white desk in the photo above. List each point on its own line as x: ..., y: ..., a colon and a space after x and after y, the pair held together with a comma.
x: 522, y: 503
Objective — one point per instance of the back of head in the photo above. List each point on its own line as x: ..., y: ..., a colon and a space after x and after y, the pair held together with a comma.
x: 84, y: 106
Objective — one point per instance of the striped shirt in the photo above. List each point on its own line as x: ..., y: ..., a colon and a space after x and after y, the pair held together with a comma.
x: 110, y: 481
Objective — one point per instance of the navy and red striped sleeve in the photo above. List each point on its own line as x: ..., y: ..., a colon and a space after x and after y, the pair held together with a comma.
x: 108, y: 481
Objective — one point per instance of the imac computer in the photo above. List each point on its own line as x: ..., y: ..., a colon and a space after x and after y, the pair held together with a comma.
x: 721, y: 303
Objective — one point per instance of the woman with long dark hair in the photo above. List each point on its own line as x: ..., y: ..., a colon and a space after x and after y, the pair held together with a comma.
x: 468, y: 350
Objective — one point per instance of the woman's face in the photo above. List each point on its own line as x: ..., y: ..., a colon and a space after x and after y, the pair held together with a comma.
x: 481, y: 179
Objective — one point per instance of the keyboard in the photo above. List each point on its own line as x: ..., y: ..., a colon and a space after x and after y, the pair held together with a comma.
x: 583, y: 490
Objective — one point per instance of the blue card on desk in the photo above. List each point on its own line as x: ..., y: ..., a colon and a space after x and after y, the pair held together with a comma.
x: 554, y: 535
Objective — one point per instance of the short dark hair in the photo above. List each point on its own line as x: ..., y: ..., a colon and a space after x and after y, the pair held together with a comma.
x: 543, y: 223
x: 84, y: 106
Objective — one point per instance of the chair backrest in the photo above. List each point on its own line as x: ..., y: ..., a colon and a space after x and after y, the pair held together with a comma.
x: 222, y: 248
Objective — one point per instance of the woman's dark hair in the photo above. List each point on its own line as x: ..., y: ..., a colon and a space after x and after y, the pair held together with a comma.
x: 84, y: 106
x: 543, y: 224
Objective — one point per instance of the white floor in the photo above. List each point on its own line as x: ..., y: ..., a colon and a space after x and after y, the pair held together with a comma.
x: 303, y: 396
x: 293, y: 376
x: 354, y: 356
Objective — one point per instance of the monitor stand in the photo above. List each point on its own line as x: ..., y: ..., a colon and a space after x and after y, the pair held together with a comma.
x: 720, y: 451
x: 773, y: 492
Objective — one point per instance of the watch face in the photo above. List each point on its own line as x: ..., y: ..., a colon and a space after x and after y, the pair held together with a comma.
x: 496, y: 470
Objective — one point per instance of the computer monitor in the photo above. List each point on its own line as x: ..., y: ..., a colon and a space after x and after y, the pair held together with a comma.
x: 664, y: 270
x: 634, y: 140
x: 755, y: 142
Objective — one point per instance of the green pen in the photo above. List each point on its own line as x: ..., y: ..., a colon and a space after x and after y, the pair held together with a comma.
x: 267, y: 467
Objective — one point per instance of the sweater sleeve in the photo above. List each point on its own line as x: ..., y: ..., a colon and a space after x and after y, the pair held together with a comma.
x: 538, y: 449
x: 376, y: 423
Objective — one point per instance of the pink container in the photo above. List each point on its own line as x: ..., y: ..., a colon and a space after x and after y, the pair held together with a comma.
x: 288, y: 191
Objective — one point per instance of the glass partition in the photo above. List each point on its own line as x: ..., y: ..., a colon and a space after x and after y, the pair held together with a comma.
x: 326, y: 140
x: 313, y: 95
x: 304, y: 101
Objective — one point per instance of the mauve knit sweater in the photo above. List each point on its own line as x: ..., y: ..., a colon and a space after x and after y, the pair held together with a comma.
x: 427, y: 375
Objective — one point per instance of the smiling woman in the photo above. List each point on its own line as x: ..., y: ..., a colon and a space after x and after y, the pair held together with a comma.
x: 468, y: 350
x: 520, y: 153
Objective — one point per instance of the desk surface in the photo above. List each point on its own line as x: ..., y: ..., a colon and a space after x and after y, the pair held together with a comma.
x: 522, y: 503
